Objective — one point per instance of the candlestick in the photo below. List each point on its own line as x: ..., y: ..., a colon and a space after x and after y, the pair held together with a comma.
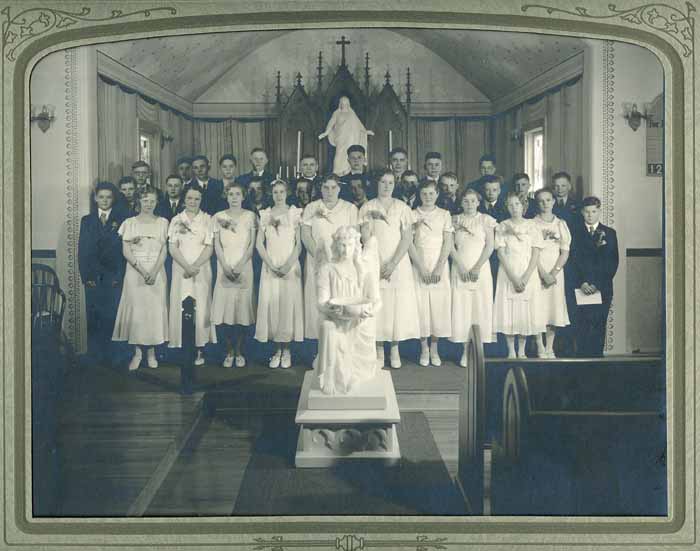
x: 298, y: 147
x: 391, y: 141
x: 287, y: 172
x: 279, y: 172
x: 296, y: 174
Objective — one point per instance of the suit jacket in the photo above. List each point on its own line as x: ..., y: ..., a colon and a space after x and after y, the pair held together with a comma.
x: 346, y: 191
x: 498, y: 211
x: 213, y: 199
x: 570, y: 212
x: 314, y: 190
x: 446, y: 202
x: 164, y: 210
x: 595, y: 258
x: 531, y: 210
x: 100, y: 247
x: 246, y: 178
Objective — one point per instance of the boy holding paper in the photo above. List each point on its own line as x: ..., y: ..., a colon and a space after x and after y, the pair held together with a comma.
x: 594, y: 263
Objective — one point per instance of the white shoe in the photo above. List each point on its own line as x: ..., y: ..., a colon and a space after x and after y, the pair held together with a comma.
x: 435, y: 357
x: 395, y: 358
x: 151, y: 360
x: 550, y: 354
x: 135, y: 360
x: 424, y: 359
x: 275, y: 360
x: 286, y: 362
x: 380, y: 356
x: 199, y: 360
x: 522, y: 355
x: 228, y: 361
x: 542, y: 353
x: 463, y: 360
x: 240, y: 361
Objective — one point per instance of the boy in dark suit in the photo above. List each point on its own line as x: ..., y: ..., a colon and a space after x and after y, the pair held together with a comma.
x: 101, y: 266
x: 521, y: 186
x: 433, y: 167
x: 310, y: 182
x: 487, y: 167
x: 447, y: 198
x: 172, y: 204
x: 595, y: 260
x: 565, y: 206
x: 491, y: 202
x: 357, y: 159
x: 212, y: 198
x: 184, y: 168
x: 398, y: 157
x: 259, y: 160
x: 125, y: 201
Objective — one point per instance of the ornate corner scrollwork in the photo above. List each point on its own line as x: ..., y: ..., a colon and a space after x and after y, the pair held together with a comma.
x: 350, y: 542
x: 33, y: 22
x: 679, y: 26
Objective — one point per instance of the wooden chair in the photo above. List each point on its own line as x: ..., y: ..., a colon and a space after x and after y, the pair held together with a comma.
x: 48, y: 307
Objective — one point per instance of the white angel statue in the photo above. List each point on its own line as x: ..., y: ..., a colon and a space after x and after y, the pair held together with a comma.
x: 348, y: 302
x: 343, y: 130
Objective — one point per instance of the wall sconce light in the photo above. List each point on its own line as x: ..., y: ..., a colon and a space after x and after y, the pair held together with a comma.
x: 43, y: 118
x: 518, y: 135
x: 633, y: 116
x: 165, y: 137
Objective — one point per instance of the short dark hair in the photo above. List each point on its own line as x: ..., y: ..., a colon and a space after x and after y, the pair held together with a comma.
x: 192, y: 186
x: 255, y: 180
x: 138, y: 164
x: 228, y: 157
x: 561, y: 174
x: 331, y: 176
x: 230, y: 185
x: 432, y: 155
x: 487, y: 157
x: 146, y: 190
x: 463, y: 192
x: 173, y: 176
x: 450, y: 175
x: 591, y: 201
x: 512, y: 194
x: 519, y: 176
x: 490, y: 178
x: 109, y: 186
x: 409, y: 173
x: 307, y: 156
x: 126, y: 180
x: 356, y: 147
x: 397, y: 150
x: 184, y: 160
x: 427, y: 183
x: 543, y: 190
x: 200, y: 157
x: 256, y: 149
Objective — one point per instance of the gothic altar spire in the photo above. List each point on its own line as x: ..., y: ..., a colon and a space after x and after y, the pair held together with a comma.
x: 319, y: 71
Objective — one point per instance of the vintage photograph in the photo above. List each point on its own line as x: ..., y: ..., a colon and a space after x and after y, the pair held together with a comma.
x: 348, y: 271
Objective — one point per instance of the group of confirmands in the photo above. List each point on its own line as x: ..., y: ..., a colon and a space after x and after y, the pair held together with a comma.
x: 247, y: 250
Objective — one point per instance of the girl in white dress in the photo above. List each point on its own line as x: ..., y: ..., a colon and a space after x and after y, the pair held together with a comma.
x: 142, y: 318
x: 190, y: 242
x: 472, y: 285
x: 232, y: 309
x: 320, y: 220
x: 518, y: 242
x: 431, y: 246
x: 390, y: 220
x: 281, y: 303
x: 555, y: 253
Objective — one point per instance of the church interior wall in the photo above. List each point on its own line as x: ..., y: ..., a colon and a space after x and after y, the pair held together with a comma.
x: 636, y: 198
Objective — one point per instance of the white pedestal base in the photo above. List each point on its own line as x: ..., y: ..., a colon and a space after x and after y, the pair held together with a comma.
x: 330, y: 436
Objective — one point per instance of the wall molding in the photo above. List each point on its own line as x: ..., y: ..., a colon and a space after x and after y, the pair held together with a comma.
x: 565, y: 71
x: 113, y: 69
x: 451, y: 109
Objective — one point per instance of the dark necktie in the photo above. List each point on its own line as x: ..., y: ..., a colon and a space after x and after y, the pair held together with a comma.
x: 103, y: 218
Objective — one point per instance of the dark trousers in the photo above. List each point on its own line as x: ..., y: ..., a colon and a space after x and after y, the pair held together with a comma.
x: 101, y: 304
x: 591, y: 323
x: 566, y: 336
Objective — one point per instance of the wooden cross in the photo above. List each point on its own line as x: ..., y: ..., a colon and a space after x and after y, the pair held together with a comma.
x: 342, y: 43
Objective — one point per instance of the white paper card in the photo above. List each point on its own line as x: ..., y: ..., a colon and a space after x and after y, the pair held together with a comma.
x: 583, y: 299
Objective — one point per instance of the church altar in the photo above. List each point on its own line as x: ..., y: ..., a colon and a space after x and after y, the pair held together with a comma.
x: 303, y: 114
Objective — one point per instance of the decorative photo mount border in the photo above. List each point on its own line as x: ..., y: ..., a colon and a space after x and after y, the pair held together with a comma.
x: 27, y: 33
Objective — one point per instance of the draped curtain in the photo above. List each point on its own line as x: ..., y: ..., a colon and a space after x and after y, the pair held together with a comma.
x: 119, y: 111
x: 230, y: 136
x: 460, y: 142
x: 561, y: 111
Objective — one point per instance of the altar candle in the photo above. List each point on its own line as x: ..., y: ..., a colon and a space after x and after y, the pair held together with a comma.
x: 295, y: 171
x: 298, y: 147
x: 391, y: 141
x: 279, y: 172
x: 287, y: 172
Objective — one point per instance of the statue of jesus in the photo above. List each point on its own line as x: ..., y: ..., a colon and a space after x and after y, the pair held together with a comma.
x: 343, y: 130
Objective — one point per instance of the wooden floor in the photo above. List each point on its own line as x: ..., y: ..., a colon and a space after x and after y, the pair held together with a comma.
x: 128, y: 446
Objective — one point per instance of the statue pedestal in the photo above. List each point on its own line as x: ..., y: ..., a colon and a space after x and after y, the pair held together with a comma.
x: 348, y: 431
